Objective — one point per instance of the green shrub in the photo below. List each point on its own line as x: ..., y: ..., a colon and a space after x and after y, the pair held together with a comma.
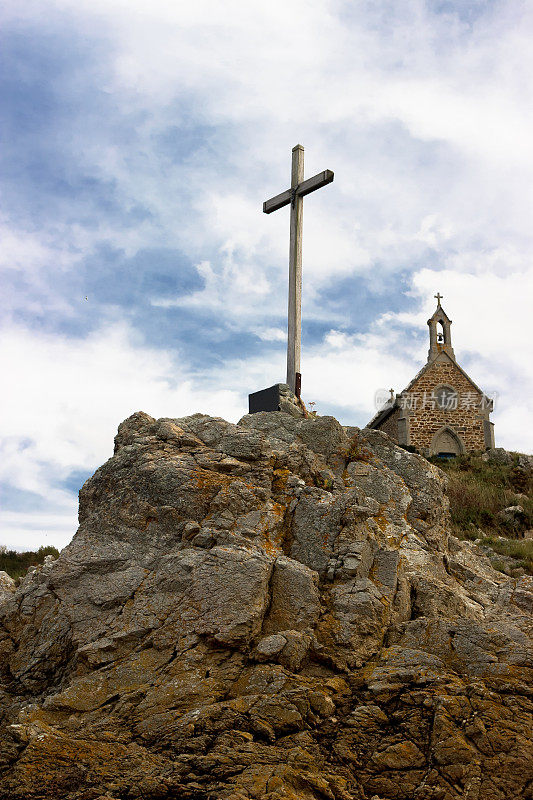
x: 16, y: 564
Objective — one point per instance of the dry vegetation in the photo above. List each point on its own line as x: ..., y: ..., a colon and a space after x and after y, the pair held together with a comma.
x: 478, y: 491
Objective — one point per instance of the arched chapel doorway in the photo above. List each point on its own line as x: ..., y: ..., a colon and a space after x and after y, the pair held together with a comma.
x: 446, y: 444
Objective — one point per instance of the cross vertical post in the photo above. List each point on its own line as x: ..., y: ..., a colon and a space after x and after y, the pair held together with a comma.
x: 294, y: 196
x: 294, y: 328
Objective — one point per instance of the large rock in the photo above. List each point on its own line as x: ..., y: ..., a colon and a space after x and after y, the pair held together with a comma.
x: 501, y: 456
x: 273, y: 609
x: 7, y: 586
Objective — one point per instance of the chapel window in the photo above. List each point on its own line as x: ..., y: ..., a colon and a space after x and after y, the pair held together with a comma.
x: 446, y: 398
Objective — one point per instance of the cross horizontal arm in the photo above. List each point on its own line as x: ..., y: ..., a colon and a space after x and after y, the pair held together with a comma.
x: 278, y: 201
x: 306, y: 187
x: 316, y: 182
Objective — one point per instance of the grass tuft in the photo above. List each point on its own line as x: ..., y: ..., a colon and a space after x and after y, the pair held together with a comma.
x: 478, y: 490
x: 520, y: 549
x: 356, y: 450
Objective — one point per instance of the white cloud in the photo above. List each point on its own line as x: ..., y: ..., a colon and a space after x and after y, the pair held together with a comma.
x: 271, y: 334
x: 366, y: 92
x: 65, y: 399
x: 494, y: 331
x: 425, y: 119
x: 27, y: 530
x: 246, y: 284
x: 490, y: 342
x: 67, y: 396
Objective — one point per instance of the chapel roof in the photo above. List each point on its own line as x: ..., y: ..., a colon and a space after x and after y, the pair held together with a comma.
x: 389, y: 407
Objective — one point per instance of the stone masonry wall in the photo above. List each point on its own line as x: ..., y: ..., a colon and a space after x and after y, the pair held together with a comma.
x: 390, y: 425
x: 466, y: 420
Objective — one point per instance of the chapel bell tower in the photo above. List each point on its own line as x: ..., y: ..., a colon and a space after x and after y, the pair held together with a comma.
x: 440, y: 337
x: 441, y: 412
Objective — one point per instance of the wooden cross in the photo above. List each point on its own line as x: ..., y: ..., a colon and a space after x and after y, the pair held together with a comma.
x: 438, y: 297
x: 294, y: 196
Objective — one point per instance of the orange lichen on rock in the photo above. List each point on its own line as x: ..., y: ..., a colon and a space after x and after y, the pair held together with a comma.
x: 245, y: 615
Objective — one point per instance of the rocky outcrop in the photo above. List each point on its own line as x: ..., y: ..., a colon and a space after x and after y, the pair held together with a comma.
x: 509, y: 458
x: 7, y: 586
x: 272, y: 609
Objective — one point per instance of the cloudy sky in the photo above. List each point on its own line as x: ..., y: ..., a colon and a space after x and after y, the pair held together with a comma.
x: 139, y: 272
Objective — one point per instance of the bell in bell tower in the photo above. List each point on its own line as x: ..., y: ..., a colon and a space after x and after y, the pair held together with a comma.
x: 440, y: 337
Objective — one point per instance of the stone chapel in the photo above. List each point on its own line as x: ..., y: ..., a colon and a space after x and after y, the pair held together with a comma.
x: 441, y: 412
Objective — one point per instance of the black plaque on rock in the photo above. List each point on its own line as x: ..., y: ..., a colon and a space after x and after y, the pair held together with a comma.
x: 264, y: 400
